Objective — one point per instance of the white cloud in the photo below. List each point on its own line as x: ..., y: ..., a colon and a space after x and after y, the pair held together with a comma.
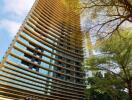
x: 20, y: 9
x: 11, y: 26
x: 14, y: 6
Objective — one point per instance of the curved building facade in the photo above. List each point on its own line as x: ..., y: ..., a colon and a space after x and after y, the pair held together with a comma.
x: 44, y: 60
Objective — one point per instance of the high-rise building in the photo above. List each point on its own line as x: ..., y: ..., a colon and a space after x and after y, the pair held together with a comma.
x: 44, y: 60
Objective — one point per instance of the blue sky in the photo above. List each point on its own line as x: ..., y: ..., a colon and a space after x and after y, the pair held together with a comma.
x: 12, y: 15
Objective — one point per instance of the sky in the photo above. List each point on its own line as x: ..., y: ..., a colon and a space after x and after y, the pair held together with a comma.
x: 12, y: 15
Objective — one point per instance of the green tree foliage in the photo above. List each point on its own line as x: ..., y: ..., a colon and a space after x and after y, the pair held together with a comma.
x: 105, y: 88
x: 108, y: 15
x: 115, y: 58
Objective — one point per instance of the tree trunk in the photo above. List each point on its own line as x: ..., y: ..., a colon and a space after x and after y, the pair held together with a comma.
x: 129, y: 83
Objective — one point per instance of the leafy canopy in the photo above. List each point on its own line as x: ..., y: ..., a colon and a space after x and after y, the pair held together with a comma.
x: 115, y: 58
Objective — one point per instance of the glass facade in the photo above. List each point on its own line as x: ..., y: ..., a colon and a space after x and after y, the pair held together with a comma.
x: 44, y: 59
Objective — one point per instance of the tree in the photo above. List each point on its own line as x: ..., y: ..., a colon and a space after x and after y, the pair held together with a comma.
x: 107, y: 15
x: 106, y: 87
x: 116, y: 59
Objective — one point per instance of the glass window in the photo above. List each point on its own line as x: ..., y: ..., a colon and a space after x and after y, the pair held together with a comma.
x: 19, y: 45
x: 47, y: 47
x: 44, y: 65
x: 13, y: 59
x: 47, y: 59
x: 42, y: 71
x: 30, y: 27
x: 17, y: 52
x: 47, y: 53
x: 25, y: 71
x: 32, y: 39
x: 23, y: 40
x: 50, y: 40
